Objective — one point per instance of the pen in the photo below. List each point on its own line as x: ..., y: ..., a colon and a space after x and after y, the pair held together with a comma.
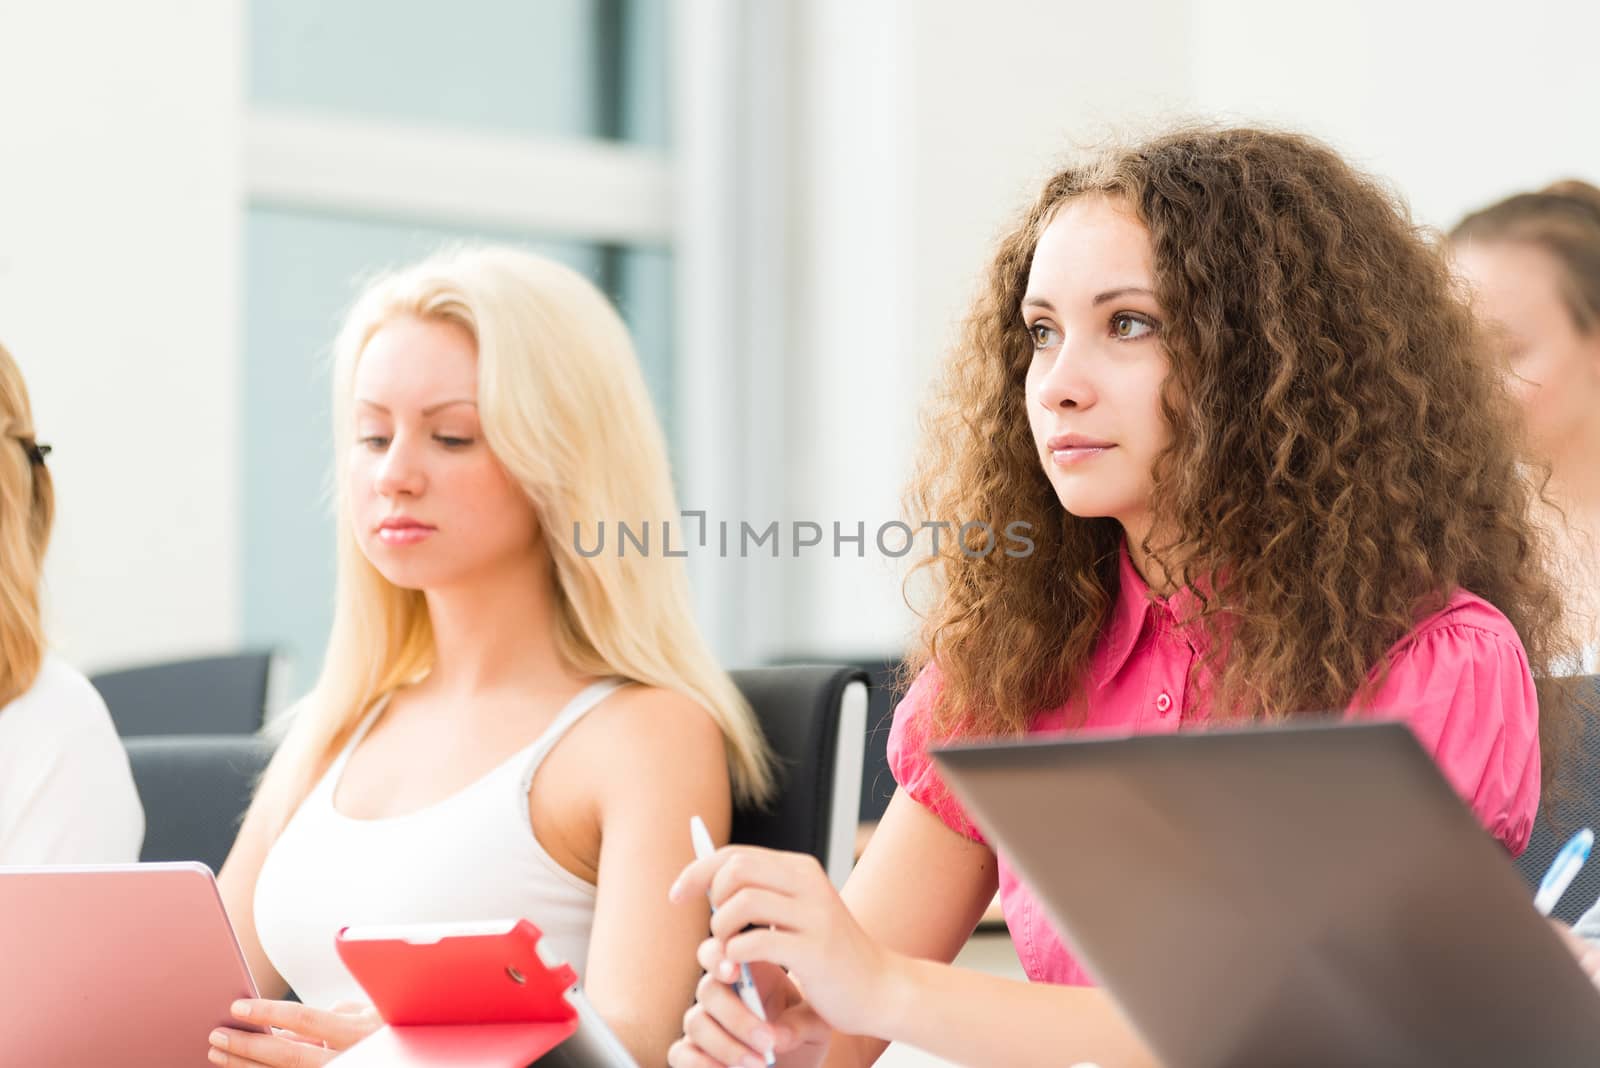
x: 745, y: 985
x: 1563, y: 870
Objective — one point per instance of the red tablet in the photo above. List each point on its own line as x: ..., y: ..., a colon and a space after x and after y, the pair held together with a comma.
x: 475, y: 995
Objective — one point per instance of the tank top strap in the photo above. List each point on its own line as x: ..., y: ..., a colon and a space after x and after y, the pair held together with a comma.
x: 331, y: 777
x: 529, y: 759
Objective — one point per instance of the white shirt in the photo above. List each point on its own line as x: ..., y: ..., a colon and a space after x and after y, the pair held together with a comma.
x: 468, y: 858
x: 66, y: 792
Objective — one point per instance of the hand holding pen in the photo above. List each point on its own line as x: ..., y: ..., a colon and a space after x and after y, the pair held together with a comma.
x: 745, y: 984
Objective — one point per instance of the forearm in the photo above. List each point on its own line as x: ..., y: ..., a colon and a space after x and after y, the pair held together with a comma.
x: 972, y: 1018
x: 854, y: 1051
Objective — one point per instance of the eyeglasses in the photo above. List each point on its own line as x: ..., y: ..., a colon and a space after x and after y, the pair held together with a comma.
x: 36, y: 452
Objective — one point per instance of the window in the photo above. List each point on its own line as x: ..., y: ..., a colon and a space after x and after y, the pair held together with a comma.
x: 380, y: 130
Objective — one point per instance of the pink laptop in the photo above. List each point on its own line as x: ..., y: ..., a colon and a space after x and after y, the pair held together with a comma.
x: 131, y: 965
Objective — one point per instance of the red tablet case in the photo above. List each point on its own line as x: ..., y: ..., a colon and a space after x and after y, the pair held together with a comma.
x: 466, y: 1001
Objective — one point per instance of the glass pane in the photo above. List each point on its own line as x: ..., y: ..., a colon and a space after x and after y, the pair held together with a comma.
x: 302, y: 270
x: 554, y: 68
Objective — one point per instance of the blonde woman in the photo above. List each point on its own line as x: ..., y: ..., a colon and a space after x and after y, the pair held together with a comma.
x: 66, y: 794
x: 503, y: 727
x: 1533, y: 261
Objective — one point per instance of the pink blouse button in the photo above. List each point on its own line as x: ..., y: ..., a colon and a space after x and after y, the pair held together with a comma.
x: 1163, y: 704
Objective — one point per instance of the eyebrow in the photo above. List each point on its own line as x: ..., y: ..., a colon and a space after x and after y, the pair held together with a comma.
x: 1101, y: 298
x: 1113, y: 294
x: 429, y: 410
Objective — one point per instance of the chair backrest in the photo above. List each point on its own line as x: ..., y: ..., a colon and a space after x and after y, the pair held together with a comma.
x: 1575, y: 804
x: 206, y: 695
x: 883, y: 694
x: 195, y: 789
x: 814, y: 718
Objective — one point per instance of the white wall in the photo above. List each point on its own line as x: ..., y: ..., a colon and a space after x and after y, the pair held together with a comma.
x: 1457, y: 104
x: 119, y: 216
x: 917, y: 129
x: 925, y: 125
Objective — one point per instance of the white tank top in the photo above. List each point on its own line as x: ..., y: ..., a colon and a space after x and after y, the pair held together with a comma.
x: 470, y: 857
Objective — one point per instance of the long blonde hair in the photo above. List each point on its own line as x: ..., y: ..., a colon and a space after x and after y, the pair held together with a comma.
x: 27, y: 509
x: 565, y: 410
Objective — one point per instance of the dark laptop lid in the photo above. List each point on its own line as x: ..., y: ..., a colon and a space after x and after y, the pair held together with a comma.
x: 1284, y: 896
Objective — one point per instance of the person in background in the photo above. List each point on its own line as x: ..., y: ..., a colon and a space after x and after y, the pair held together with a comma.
x: 1270, y: 470
x: 504, y: 726
x: 66, y: 792
x: 1533, y: 264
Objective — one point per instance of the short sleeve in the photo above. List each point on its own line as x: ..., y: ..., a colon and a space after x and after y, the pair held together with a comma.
x: 1467, y: 692
x: 74, y: 802
x: 913, y: 768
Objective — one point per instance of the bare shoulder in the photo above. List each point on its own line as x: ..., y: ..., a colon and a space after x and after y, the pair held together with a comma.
x: 648, y: 737
x: 649, y: 720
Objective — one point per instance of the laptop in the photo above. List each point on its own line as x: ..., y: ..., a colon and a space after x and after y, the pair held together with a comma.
x: 129, y: 965
x: 1296, y: 895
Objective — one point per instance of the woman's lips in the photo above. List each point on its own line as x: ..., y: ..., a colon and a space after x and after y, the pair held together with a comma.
x: 1069, y: 449
x: 1077, y: 454
x: 404, y: 535
x: 403, y: 531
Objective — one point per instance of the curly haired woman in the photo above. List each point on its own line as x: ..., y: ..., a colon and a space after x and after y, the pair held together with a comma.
x: 1271, y: 473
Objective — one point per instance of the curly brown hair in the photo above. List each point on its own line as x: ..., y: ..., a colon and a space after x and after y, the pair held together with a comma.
x: 1343, y: 453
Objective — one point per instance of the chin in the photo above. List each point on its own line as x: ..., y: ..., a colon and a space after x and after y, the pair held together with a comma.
x: 1089, y: 505
x: 405, y: 578
x: 406, y: 574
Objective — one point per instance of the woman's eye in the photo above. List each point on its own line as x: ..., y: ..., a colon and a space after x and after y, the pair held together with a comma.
x: 451, y: 442
x: 375, y: 442
x: 1126, y: 327
x: 1043, y: 335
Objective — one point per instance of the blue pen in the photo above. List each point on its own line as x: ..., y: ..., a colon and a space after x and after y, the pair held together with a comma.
x: 1563, y: 870
x: 745, y: 984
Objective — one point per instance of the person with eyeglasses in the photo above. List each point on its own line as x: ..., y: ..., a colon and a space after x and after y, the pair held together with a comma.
x: 66, y: 791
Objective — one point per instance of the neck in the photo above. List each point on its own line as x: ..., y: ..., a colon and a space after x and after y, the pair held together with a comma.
x: 1134, y: 532
x: 497, y: 629
x: 1575, y: 477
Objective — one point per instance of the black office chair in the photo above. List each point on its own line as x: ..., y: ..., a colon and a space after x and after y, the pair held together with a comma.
x: 195, y: 789
x: 884, y: 691
x: 814, y: 718
x: 206, y: 695
x: 1574, y: 803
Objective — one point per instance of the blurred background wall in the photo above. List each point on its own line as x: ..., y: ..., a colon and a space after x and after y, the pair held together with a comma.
x: 790, y: 200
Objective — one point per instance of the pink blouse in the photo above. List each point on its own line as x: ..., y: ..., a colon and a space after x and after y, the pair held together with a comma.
x: 1460, y: 679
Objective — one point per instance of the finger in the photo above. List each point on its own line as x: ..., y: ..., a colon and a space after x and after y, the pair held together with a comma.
x: 709, y: 955
x: 339, y: 1029
x: 797, y: 1026
x: 756, y: 906
x: 769, y: 945
x: 241, y: 1049
x: 684, y: 1054
x: 715, y: 1041
x: 695, y: 879
x: 792, y: 874
x: 715, y: 963
x: 727, y: 1009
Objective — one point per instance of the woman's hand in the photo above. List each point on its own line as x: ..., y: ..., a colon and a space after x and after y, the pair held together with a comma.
x: 299, y: 1037
x: 719, y: 1030
x: 798, y: 922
